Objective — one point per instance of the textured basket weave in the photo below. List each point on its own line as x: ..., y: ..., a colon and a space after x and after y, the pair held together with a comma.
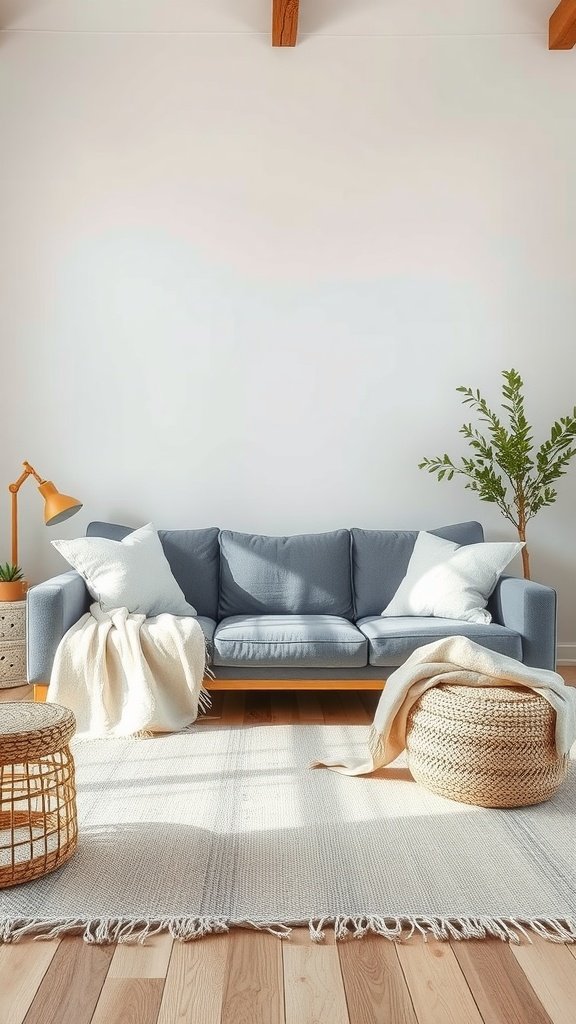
x: 38, y: 825
x: 492, y: 746
x: 12, y: 620
x: 12, y: 663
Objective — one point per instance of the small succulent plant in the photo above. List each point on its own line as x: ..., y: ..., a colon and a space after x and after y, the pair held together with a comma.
x: 10, y: 573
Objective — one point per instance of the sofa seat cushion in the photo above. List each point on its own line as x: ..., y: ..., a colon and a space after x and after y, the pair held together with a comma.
x: 306, y: 641
x: 391, y: 641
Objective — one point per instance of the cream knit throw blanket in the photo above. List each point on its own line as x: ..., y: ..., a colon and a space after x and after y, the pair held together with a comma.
x: 124, y: 674
x: 461, y: 661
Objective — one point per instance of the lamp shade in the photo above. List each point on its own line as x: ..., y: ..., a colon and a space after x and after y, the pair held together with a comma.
x: 57, y: 507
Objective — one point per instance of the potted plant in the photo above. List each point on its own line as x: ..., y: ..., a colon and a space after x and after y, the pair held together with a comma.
x: 503, y: 466
x: 13, y: 586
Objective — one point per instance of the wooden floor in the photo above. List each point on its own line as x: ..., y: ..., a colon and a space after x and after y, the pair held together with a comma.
x: 252, y: 978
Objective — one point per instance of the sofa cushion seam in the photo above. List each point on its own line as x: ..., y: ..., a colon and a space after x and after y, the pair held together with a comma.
x: 247, y: 640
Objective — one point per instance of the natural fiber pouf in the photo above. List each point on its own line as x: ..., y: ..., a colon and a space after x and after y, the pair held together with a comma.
x: 492, y: 746
x: 38, y: 824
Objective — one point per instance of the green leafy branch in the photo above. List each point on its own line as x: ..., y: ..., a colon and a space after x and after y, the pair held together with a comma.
x: 503, y: 466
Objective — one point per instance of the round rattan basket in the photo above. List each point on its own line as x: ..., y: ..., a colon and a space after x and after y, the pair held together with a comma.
x: 38, y: 825
x: 492, y: 746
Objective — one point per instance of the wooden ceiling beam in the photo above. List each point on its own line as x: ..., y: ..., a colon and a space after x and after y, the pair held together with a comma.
x: 284, y: 22
x: 562, y: 26
x: 562, y: 29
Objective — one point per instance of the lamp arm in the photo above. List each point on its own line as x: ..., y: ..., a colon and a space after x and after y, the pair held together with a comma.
x: 14, y: 488
x: 28, y: 471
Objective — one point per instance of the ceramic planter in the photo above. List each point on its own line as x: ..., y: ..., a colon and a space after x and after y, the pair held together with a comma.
x: 13, y: 591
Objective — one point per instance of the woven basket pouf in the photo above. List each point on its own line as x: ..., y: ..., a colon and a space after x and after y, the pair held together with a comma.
x: 492, y: 746
x: 38, y: 824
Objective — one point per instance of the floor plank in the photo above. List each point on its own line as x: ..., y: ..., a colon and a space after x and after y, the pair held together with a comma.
x: 370, y: 700
x: 195, y: 982
x: 72, y: 984
x: 233, y: 708
x: 22, y: 967
x: 352, y: 709
x: 309, y: 708
x: 253, y: 991
x: 313, y: 986
x: 257, y: 708
x: 498, y: 983
x: 134, y: 960
x: 129, y: 1001
x: 438, y: 989
x: 335, y: 708
x: 24, y: 692
x: 551, y: 971
x: 283, y: 710
x: 374, y: 982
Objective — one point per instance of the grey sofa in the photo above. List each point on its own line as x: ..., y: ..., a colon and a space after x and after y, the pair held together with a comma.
x: 304, y: 610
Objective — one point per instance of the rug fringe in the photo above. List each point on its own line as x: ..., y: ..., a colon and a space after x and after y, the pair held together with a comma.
x: 400, y: 929
x: 102, y: 931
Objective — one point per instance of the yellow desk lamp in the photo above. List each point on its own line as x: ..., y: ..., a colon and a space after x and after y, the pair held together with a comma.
x: 57, y: 508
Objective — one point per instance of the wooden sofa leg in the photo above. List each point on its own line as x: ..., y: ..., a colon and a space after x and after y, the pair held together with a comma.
x: 40, y: 692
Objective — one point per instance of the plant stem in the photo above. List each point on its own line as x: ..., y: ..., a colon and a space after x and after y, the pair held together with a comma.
x: 525, y: 552
x: 521, y: 506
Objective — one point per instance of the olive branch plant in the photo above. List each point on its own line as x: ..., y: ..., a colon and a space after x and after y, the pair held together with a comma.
x: 503, y: 466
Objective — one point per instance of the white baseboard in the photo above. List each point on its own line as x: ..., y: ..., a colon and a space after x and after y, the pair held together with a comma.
x: 566, y: 654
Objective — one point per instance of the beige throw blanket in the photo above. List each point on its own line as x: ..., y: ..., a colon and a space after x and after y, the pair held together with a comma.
x: 123, y: 674
x: 461, y: 661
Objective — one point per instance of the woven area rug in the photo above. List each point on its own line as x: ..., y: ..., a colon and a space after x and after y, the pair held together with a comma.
x: 221, y: 826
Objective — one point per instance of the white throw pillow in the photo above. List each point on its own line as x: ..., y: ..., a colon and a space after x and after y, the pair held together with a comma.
x: 133, y: 573
x: 450, y: 581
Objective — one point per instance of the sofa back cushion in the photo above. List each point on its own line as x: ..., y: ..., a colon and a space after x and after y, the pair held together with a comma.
x: 380, y: 560
x: 302, y: 575
x: 194, y: 559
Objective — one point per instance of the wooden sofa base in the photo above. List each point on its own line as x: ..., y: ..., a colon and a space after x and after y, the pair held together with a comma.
x: 41, y: 689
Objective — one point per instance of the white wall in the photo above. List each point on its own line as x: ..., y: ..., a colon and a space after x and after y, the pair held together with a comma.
x: 239, y: 285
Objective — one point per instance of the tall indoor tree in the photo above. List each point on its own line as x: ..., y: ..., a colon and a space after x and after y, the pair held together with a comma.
x: 503, y: 466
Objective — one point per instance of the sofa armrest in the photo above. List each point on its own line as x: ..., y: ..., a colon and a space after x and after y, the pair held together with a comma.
x: 52, y: 608
x: 530, y: 609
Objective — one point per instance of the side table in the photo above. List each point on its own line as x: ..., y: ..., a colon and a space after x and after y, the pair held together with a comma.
x: 38, y: 823
x: 12, y: 643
